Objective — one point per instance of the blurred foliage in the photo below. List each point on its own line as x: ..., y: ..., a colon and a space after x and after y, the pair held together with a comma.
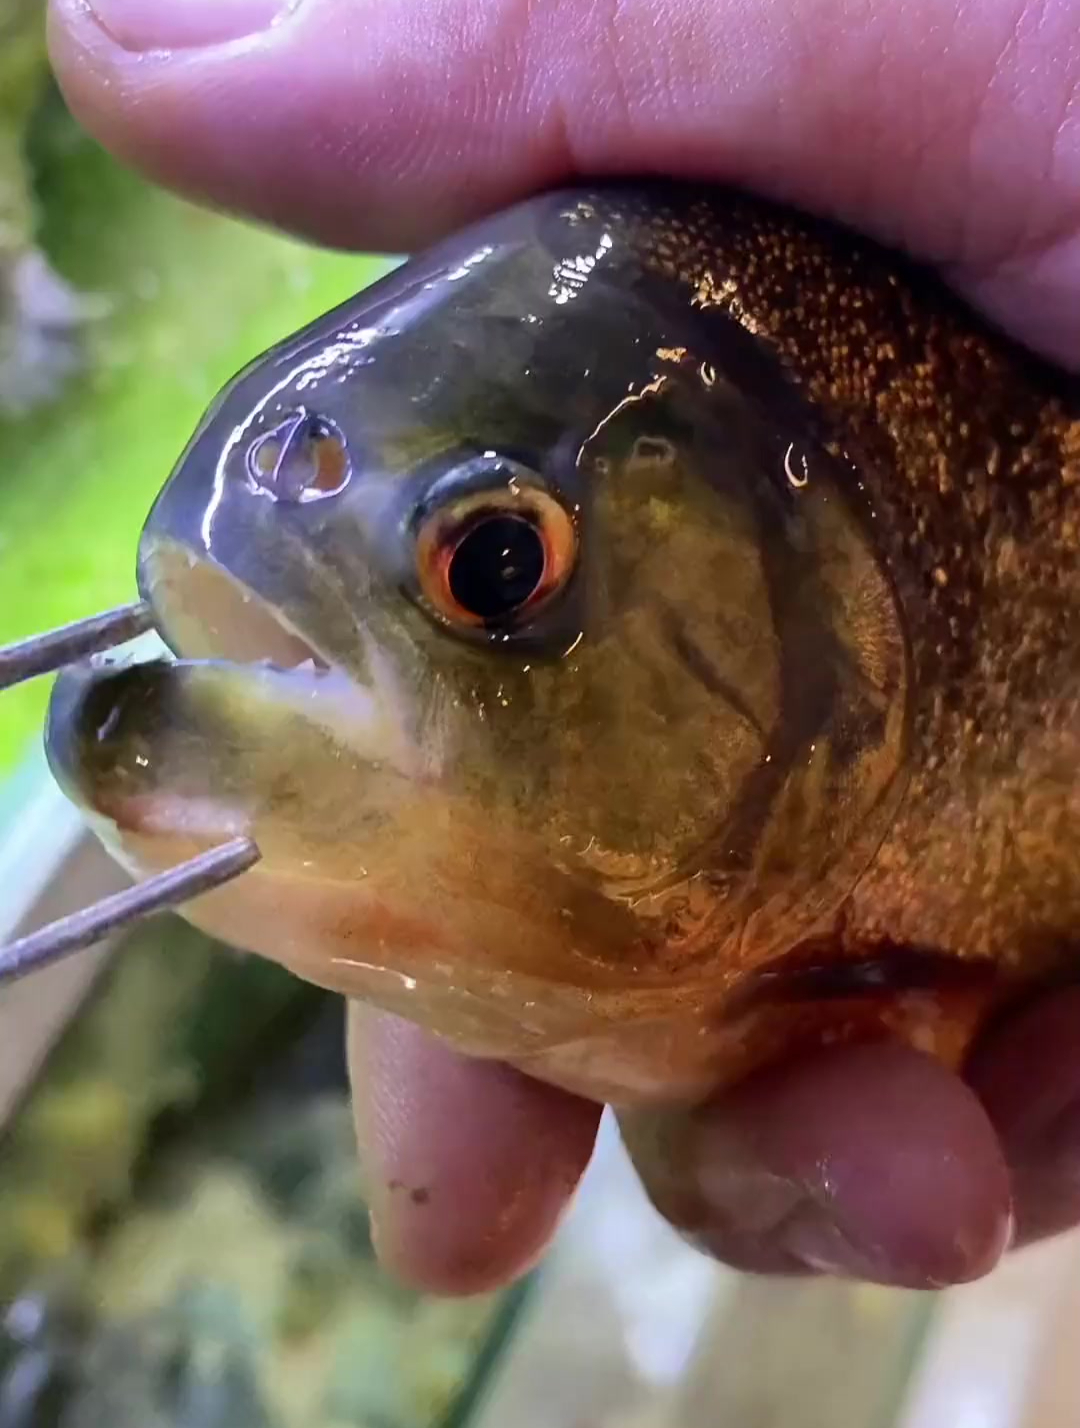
x: 42, y: 318
x: 23, y: 76
x: 158, y: 1036
x: 183, y: 1243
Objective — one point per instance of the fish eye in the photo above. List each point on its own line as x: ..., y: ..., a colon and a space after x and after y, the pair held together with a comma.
x: 303, y: 458
x: 494, y: 557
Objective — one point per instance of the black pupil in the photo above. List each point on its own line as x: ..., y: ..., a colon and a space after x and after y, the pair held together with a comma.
x: 497, y: 567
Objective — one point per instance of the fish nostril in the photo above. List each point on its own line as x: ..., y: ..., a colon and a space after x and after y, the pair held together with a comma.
x: 304, y: 458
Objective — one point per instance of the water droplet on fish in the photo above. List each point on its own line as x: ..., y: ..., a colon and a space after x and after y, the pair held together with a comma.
x: 105, y: 729
x: 796, y: 468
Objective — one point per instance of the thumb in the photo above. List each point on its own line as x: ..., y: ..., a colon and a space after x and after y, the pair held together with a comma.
x: 951, y: 130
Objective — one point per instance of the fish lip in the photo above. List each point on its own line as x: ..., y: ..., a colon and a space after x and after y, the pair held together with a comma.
x: 241, y: 624
x: 252, y: 634
x: 103, y: 726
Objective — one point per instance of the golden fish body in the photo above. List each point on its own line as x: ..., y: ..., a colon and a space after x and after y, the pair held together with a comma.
x: 642, y: 635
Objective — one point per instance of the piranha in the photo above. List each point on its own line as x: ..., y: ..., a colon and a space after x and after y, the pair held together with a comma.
x: 642, y: 636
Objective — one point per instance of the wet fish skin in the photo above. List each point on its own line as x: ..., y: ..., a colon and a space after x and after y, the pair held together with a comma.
x: 791, y: 755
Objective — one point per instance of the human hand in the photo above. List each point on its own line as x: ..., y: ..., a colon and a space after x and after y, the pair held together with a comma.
x: 950, y: 129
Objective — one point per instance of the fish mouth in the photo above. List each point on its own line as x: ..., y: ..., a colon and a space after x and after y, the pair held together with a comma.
x: 246, y: 726
x: 203, y: 611
x: 270, y: 739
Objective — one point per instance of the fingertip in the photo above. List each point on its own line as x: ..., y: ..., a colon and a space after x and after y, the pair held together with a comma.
x: 1027, y: 1074
x: 869, y: 1162
x: 468, y: 1166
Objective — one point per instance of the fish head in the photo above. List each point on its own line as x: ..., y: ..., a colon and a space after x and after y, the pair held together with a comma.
x: 527, y: 621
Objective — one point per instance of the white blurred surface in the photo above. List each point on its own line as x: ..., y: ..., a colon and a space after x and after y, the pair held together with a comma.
x: 49, y: 866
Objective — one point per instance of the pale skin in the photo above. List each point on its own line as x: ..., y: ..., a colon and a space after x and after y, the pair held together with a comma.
x: 949, y: 127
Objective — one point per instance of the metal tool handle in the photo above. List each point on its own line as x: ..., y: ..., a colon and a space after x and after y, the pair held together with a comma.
x: 45, y: 654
